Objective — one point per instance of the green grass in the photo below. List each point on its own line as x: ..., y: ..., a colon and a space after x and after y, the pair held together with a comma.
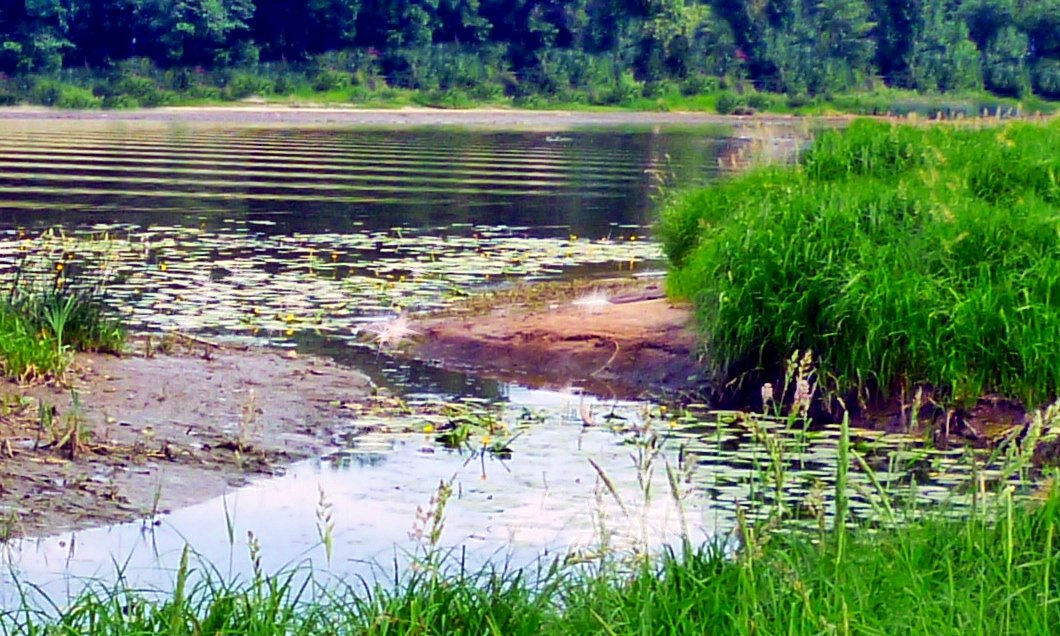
x: 54, y: 306
x: 993, y: 574
x: 138, y: 83
x: 901, y: 256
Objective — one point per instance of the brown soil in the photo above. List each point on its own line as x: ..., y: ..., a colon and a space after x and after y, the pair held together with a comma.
x: 637, y: 343
x: 161, y: 431
x: 642, y: 344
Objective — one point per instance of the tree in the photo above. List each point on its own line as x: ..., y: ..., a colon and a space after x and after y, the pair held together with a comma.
x: 198, y: 31
x: 942, y: 56
x: 298, y: 28
x: 1006, y: 69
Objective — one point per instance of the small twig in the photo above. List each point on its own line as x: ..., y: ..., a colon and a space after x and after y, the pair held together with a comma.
x: 609, y: 360
x: 198, y: 340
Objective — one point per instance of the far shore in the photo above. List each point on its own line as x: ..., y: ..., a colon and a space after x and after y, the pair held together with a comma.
x: 264, y: 114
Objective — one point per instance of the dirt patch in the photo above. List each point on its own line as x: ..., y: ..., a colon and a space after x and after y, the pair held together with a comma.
x: 134, y: 436
x: 621, y: 338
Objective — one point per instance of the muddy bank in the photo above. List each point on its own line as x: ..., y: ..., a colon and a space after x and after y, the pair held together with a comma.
x: 309, y: 114
x: 614, y: 338
x: 134, y: 436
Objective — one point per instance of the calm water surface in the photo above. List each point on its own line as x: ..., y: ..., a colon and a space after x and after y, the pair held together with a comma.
x: 299, y: 236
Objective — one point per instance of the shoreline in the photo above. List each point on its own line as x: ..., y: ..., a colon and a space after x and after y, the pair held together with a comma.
x: 415, y: 116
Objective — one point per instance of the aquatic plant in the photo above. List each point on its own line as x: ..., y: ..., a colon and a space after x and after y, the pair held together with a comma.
x: 902, y: 256
x: 991, y: 571
x: 55, y: 304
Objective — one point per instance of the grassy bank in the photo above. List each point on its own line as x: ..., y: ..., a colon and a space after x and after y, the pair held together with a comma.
x: 138, y: 83
x: 903, y: 257
x: 993, y: 573
x: 54, y: 306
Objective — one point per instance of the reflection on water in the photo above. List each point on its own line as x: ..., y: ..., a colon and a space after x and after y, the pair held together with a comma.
x: 334, y: 180
x: 297, y: 237
x: 546, y: 498
x: 270, y: 232
x: 666, y: 475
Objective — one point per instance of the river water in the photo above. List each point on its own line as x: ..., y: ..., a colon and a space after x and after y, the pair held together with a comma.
x: 298, y: 236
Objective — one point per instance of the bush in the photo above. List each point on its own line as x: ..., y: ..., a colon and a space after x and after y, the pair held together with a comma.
x: 727, y: 104
x: 243, y: 85
x: 143, y: 90
x: 330, y: 79
x: 698, y: 85
x: 60, y: 95
x: 119, y: 102
x: 900, y: 256
x: 1047, y: 78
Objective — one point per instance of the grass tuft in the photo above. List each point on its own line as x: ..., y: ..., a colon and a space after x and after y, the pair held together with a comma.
x: 55, y: 305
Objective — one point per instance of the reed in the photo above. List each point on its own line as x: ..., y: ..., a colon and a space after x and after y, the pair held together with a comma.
x: 991, y: 574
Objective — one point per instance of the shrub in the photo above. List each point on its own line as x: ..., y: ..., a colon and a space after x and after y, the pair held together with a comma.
x: 243, y: 85
x: 698, y: 85
x: 1047, y: 78
x: 143, y: 90
x: 330, y: 79
x: 727, y: 103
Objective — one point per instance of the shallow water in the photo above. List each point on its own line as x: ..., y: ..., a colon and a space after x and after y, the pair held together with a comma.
x: 272, y: 232
x: 298, y: 237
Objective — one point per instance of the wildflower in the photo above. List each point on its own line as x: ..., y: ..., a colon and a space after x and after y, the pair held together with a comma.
x: 59, y: 267
x: 767, y: 395
x: 428, y: 428
x: 486, y: 440
x: 803, y: 394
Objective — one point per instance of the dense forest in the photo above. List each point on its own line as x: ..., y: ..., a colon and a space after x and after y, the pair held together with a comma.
x: 797, y: 47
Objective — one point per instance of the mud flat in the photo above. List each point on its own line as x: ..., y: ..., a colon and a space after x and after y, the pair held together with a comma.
x: 618, y: 338
x: 150, y: 433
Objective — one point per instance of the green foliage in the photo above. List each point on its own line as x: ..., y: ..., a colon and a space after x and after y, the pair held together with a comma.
x: 242, y: 85
x: 586, y: 51
x: 993, y: 573
x: 62, y: 95
x: 54, y: 306
x: 1047, y: 78
x: 901, y: 256
x: 1006, y: 70
x: 727, y: 103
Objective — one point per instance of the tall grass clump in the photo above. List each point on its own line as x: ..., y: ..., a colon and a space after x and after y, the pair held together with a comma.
x: 902, y: 256
x: 55, y: 306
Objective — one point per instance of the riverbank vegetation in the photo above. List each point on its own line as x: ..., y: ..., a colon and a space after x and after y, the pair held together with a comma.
x: 992, y: 571
x: 903, y: 257
x: 54, y: 306
x: 713, y: 55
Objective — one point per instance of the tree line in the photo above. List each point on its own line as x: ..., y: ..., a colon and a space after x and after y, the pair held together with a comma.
x: 802, y: 47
